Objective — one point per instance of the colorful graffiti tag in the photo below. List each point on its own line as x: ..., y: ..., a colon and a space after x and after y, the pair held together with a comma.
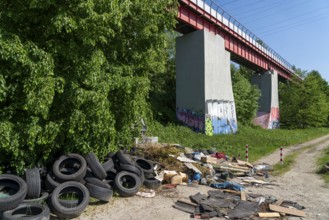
x: 194, y: 120
x: 209, y: 129
x: 223, y: 116
x: 220, y: 118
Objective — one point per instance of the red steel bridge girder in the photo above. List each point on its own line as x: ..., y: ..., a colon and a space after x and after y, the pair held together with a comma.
x: 242, y: 50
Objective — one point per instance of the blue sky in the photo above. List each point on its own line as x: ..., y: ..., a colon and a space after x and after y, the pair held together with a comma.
x: 297, y: 29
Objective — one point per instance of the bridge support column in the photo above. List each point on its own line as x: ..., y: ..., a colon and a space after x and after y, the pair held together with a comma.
x: 204, y: 95
x: 268, y: 112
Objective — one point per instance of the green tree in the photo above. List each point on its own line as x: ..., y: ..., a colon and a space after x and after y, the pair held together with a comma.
x: 289, y: 98
x: 300, y: 72
x: 314, y: 107
x: 75, y: 75
x: 305, y: 104
x: 246, y: 95
x: 163, y: 87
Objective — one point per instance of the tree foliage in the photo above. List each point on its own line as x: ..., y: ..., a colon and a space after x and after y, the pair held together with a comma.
x: 300, y: 72
x: 305, y: 104
x: 163, y: 87
x: 246, y: 95
x: 75, y: 75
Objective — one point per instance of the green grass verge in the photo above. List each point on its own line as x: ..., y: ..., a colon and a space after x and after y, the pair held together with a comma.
x: 261, y: 142
x: 288, y: 162
x: 321, y: 162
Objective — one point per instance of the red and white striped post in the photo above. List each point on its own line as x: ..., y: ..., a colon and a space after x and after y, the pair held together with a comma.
x: 247, y: 153
x: 281, y: 160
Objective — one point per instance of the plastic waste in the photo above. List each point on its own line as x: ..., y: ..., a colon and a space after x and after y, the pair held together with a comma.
x: 197, y: 156
x: 263, y: 167
x: 149, y: 194
x: 196, y: 176
x: 266, y: 177
x: 203, y: 181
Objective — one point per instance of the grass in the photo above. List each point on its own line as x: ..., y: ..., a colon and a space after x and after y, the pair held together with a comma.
x: 288, y: 162
x: 321, y: 162
x: 261, y: 142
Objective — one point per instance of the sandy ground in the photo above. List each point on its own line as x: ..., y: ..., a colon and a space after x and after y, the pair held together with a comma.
x: 300, y: 184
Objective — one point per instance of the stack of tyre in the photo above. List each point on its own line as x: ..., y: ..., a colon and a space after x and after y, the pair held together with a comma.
x: 69, y: 184
x: 130, y: 173
x: 18, y: 200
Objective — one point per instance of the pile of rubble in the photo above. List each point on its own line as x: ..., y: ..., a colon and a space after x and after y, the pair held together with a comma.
x: 230, y: 200
x: 237, y: 205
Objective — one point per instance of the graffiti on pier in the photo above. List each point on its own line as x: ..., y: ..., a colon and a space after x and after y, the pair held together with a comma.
x: 274, y: 118
x: 268, y: 120
x: 193, y: 119
x: 262, y: 119
x: 219, y: 118
x: 223, y: 116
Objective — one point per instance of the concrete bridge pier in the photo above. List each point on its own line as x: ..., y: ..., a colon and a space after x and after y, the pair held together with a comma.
x: 204, y: 95
x: 268, y: 113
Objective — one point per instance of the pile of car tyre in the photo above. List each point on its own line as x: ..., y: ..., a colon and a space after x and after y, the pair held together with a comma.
x: 65, y: 189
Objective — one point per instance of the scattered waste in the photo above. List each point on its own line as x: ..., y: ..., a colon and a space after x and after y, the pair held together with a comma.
x: 263, y: 167
x: 234, y: 205
x: 192, y: 167
x: 185, y: 159
x: 220, y: 155
x: 269, y: 214
x: 208, y: 159
x: 196, y: 176
x: 149, y: 194
x: 285, y: 210
x: 147, y: 168
x: 198, y: 156
x: 185, y: 206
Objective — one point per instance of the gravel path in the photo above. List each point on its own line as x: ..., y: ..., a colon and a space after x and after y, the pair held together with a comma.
x: 275, y: 156
x: 301, y: 184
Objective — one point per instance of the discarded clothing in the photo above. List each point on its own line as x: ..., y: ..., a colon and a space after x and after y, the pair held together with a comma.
x: 227, y: 185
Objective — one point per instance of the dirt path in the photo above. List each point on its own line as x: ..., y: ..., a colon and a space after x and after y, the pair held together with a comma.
x: 300, y: 184
x: 137, y: 208
x: 275, y: 156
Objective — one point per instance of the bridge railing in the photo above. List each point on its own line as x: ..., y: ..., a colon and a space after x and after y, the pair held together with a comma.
x: 220, y: 14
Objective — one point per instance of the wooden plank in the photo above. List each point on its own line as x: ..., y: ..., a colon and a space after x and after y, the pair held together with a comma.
x: 185, y: 159
x: 243, y: 196
x: 287, y: 210
x: 238, y: 167
x: 192, y: 167
x: 240, y: 174
x: 256, y: 181
x: 241, y: 162
x: 209, y: 159
x: 231, y: 169
x: 269, y: 214
x: 279, y: 202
